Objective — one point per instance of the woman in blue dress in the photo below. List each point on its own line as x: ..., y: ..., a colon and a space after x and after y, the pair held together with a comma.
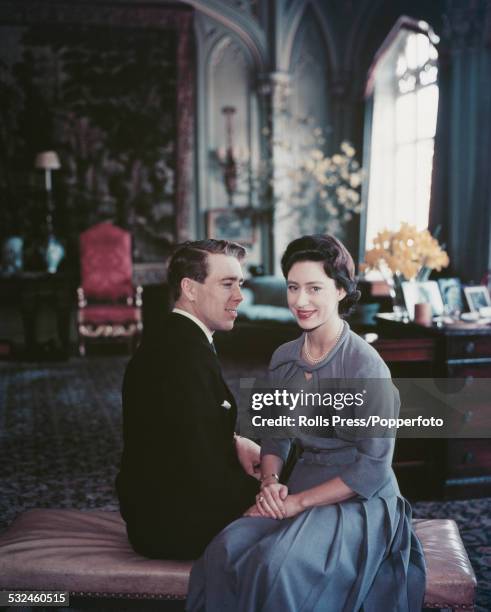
x: 337, y: 536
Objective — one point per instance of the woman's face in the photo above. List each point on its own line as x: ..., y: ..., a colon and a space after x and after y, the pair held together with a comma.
x: 313, y: 296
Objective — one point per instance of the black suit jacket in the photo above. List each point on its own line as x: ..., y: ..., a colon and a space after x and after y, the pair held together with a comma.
x: 180, y: 481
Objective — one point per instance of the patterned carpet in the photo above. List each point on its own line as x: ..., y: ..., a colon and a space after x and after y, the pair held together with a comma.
x: 60, y: 446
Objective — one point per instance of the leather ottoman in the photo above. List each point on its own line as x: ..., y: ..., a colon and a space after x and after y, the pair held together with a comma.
x: 88, y: 554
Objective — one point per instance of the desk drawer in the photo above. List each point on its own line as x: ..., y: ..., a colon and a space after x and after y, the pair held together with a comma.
x: 468, y: 457
x: 406, y: 349
x: 469, y: 370
x: 469, y: 347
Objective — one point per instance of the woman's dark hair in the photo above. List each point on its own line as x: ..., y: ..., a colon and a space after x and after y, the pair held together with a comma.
x: 338, y: 263
x: 190, y: 260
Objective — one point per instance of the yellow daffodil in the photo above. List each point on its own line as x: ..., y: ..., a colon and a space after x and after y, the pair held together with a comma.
x: 406, y: 252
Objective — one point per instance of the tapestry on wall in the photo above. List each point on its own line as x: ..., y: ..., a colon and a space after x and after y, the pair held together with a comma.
x: 104, y: 98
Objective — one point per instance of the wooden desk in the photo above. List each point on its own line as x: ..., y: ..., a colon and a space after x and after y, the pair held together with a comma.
x: 459, y: 350
x: 452, y: 467
x: 28, y: 292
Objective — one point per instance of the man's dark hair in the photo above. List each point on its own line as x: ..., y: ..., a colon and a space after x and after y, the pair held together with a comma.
x: 190, y: 260
x: 337, y: 262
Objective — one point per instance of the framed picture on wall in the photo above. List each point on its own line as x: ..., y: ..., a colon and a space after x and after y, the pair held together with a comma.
x: 235, y: 224
x: 477, y: 297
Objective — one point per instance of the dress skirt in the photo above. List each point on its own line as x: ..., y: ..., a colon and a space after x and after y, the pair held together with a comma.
x: 360, y: 554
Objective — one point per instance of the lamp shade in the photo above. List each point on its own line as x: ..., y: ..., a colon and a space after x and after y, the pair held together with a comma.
x: 47, y: 160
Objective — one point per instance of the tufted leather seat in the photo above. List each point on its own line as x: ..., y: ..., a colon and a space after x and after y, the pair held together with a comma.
x: 87, y: 554
x: 451, y: 582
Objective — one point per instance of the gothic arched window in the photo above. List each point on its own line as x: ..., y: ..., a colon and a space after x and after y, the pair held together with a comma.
x: 403, y: 99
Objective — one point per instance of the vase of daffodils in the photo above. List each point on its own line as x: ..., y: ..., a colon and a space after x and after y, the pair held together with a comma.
x: 407, y: 254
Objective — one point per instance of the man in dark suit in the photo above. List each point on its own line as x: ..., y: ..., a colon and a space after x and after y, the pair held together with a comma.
x: 184, y: 473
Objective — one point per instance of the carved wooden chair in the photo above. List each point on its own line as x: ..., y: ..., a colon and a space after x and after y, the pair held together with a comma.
x: 109, y: 307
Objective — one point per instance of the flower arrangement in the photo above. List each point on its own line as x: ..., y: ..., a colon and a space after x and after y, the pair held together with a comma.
x: 316, y: 192
x: 331, y: 185
x: 407, y: 253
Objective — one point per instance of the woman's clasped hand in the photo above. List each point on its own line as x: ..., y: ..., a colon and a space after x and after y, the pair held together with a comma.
x: 273, y: 501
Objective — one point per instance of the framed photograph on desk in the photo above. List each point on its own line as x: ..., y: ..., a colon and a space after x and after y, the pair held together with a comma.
x: 451, y: 290
x: 422, y: 292
x: 477, y: 297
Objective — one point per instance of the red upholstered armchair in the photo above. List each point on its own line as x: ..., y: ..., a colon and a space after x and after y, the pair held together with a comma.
x: 108, y: 305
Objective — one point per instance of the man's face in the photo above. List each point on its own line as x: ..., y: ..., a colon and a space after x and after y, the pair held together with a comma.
x: 217, y: 299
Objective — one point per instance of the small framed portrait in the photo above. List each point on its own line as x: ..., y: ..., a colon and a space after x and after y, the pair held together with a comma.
x: 451, y: 290
x: 236, y: 224
x: 422, y: 292
x: 477, y: 297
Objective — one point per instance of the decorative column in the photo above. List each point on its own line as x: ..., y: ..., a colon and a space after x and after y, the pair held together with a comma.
x: 346, y: 119
x: 343, y: 104
x: 461, y: 187
x: 275, y: 95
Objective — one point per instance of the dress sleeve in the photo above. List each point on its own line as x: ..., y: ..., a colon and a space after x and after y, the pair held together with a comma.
x: 374, y: 443
x: 372, y: 467
x: 276, y: 446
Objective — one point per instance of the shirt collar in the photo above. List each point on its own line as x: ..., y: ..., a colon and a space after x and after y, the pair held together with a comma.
x: 199, y: 323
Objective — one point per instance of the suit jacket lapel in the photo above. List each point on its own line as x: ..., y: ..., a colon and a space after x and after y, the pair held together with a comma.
x: 192, y: 333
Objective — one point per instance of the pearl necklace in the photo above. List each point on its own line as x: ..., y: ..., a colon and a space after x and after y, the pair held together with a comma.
x: 316, y: 360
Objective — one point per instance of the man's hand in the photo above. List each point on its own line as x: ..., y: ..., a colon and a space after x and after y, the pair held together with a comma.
x: 249, y: 455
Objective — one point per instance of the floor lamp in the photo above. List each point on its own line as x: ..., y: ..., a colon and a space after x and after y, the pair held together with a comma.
x: 49, y: 161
